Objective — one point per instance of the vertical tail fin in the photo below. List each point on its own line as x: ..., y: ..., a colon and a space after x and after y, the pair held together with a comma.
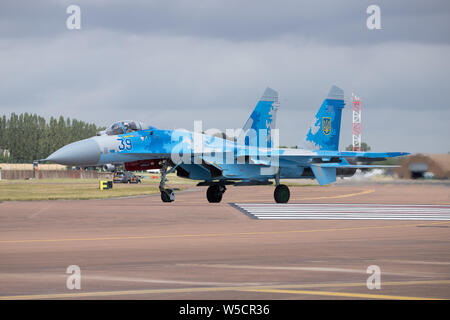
x: 324, y: 131
x: 262, y: 120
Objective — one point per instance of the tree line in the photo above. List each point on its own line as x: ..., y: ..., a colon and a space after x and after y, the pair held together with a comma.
x: 26, y: 137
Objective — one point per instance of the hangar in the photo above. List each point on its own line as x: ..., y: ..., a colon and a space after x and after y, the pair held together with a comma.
x: 419, y: 165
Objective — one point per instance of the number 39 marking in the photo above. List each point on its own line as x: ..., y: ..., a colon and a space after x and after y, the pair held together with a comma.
x: 125, y: 144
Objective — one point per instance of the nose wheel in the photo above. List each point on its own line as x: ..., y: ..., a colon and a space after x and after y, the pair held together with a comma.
x: 214, y: 193
x: 167, y: 195
x: 281, y: 194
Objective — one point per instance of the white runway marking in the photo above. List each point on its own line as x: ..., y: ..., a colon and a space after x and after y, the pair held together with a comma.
x: 309, y: 268
x: 341, y: 211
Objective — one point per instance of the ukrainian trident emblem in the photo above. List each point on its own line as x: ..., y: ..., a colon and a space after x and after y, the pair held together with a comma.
x: 326, y: 125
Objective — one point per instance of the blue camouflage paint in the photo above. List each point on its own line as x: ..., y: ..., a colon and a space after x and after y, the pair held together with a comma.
x: 325, y: 129
x: 262, y: 120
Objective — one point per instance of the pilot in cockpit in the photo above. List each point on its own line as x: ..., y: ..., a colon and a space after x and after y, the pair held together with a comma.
x: 123, y: 127
x: 130, y: 126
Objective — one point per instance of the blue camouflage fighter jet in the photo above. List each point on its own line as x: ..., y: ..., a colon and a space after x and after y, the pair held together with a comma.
x: 253, y: 158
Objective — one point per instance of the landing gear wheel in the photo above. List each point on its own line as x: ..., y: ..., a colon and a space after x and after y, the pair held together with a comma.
x: 214, y: 193
x: 167, y: 195
x: 281, y: 194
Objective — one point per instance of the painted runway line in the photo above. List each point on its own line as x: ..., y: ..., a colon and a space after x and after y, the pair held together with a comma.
x: 287, y: 288
x: 297, y: 211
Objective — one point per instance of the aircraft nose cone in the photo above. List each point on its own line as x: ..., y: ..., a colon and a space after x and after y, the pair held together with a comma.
x: 81, y: 153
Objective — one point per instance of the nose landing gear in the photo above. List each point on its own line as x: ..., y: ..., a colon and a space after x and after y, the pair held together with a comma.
x: 167, y: 195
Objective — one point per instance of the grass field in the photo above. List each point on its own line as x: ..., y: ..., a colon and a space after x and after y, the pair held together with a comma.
x: 79, y: 189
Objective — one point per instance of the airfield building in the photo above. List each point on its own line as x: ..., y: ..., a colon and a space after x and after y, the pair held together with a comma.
x: 418, y: 166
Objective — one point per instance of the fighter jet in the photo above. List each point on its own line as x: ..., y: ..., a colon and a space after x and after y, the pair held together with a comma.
x: 253, y: 158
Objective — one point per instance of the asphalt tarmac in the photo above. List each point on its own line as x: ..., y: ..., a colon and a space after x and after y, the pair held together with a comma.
x: 141, y: 248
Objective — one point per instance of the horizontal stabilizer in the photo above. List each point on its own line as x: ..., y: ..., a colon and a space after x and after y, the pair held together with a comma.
x: 355, y: 166
x: 371, y: 155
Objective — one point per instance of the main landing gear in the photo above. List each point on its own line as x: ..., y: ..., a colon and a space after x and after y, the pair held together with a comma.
x: 215, y: 192
x: 281, y: 193
x: 167, y: 195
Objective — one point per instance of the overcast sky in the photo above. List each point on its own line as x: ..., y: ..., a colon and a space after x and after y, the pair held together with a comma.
x: 169, y: 63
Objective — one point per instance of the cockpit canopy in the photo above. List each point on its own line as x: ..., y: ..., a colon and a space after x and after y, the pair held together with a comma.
x: 125, y: 126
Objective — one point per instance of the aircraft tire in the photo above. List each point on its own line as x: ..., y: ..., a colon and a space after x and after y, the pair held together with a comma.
x: 167, y: 195
x: 214, y: 194
x: 281, y: 194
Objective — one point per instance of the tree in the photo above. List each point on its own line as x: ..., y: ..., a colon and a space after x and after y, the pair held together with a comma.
x: 29, y: 137
x: 2, y: 132
x: 364, y: 147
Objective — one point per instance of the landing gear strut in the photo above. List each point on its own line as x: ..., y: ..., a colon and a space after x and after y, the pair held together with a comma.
x: 167, y: 195
x: 281, y: 193
x: 215, y: 193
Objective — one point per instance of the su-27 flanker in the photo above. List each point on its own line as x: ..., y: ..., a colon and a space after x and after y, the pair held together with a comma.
x: 253, y: 159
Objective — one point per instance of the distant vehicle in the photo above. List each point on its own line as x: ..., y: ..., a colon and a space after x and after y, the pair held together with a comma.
x: 126, y: 177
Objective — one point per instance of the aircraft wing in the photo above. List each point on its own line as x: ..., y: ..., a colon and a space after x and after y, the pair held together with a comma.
x: 322, y: 163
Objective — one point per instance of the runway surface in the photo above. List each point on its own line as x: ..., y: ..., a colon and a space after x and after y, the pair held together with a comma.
x: 339, y: 211
x: 141, y: 248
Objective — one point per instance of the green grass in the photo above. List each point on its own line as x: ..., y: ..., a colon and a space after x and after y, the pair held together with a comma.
x: 80, y: 189
x: 75, y: 191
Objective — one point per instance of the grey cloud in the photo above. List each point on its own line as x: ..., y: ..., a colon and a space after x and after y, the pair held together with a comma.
x: 330, y: 21
x: 169, y: 64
